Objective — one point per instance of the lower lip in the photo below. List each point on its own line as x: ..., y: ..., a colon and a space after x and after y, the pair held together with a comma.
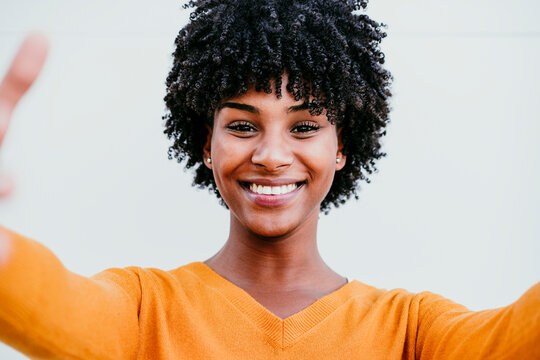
x: 271, y: 200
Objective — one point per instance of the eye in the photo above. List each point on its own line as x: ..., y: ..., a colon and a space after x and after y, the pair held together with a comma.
x: 305, y: 127
x: 241, y: 127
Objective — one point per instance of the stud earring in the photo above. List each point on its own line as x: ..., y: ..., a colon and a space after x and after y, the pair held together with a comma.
x: 338, y: 160
x: 209, y: 160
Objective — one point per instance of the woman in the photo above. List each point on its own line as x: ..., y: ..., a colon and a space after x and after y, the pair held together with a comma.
x: 279, y: 106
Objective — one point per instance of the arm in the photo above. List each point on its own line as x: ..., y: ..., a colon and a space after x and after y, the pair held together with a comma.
x: 447, y: 330
x: 47, y: 311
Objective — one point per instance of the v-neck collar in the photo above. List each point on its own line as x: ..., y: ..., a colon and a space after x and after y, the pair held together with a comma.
x: 280, y: 332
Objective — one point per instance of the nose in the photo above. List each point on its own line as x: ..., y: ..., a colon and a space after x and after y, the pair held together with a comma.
x: 273, y: 153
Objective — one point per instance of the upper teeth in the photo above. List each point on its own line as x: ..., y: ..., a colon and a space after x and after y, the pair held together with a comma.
x: 272, y: 190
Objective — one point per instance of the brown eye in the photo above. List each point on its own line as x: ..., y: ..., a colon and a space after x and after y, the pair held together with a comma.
x: 305, y: 127
x: 241, y: 126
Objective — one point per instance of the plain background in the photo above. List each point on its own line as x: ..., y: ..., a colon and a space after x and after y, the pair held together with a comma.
x: 454, y: 208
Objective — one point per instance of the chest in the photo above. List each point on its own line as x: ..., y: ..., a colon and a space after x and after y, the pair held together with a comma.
x: 284, y: 304
x: 231, y: 330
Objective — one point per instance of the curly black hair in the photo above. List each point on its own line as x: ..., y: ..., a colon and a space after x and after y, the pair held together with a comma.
x: 328, y: 49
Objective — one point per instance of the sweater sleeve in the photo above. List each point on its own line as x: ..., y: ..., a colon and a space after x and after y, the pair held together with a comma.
x: 48, y: 312
x: 447, y: 330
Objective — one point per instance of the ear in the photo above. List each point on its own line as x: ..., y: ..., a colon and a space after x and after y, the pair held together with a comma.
x: 342, y: 158
x: 207, y: 153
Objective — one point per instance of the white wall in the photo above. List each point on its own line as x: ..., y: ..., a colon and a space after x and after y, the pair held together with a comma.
x: 454, y: 208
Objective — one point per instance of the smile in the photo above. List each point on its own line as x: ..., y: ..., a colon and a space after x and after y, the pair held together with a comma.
x: 272, y: 195
x: 272, y: 190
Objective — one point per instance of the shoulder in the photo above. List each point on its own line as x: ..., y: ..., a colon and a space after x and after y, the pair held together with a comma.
x: 138, y: 281
x: 401, y: 302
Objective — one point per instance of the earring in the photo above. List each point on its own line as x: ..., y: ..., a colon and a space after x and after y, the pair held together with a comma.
x: 209, y: 160
x: 338, y: 160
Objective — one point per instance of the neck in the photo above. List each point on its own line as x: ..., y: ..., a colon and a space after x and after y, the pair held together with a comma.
x: 291, y: 261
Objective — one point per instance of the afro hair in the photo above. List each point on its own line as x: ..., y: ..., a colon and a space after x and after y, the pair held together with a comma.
x: 328, y: 49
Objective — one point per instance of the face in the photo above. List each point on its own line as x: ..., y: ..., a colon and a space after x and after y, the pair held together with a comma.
x: 273, y: 162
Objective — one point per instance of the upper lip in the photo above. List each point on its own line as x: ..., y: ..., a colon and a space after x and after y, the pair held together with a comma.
x: 271, y: 182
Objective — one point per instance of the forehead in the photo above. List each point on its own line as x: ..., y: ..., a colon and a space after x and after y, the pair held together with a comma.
x: 255, y: 102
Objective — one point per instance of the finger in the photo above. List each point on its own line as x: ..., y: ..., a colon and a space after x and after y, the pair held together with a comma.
x: 5, y: 114
x: 24, y: 68
x: 7, y: 186
x: 22, y: 72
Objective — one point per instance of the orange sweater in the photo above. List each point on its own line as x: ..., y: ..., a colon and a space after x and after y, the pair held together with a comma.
x: 193, y: 313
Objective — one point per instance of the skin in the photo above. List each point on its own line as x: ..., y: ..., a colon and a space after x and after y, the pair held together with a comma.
x: 271, y: 251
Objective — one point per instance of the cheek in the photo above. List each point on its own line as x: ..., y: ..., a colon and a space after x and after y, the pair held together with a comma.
x: 320, y: 157
x: 227, y: 155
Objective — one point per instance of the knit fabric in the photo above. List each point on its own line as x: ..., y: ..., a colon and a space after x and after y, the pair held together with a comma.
x: 194, y: 313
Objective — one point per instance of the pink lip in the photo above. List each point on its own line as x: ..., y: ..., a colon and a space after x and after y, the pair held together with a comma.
x: 272, y: 200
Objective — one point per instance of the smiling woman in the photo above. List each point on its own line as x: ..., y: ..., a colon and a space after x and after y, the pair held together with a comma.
x: 279, y: 106
x: 328, y: 56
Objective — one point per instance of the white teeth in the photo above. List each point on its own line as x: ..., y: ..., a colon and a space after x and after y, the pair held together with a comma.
x: 272, y: 190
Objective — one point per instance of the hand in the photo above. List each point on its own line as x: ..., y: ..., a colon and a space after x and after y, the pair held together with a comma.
x: 21, y: 74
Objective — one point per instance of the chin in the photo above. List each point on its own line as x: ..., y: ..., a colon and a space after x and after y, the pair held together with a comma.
x: 266, y: 227
x: 272, y: 234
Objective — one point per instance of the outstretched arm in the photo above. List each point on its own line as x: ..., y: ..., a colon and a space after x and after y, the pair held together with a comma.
x: 47, y: 311
x: 447, y: 330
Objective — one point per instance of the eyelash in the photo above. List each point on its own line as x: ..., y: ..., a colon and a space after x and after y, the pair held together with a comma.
x: 241, y: 126
x: 308, y: 127
x: 244, y: 126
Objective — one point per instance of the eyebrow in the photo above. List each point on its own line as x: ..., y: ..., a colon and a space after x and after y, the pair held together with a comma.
x: 252, y: 109
x: 301, y: 107
x: 244, y: 107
